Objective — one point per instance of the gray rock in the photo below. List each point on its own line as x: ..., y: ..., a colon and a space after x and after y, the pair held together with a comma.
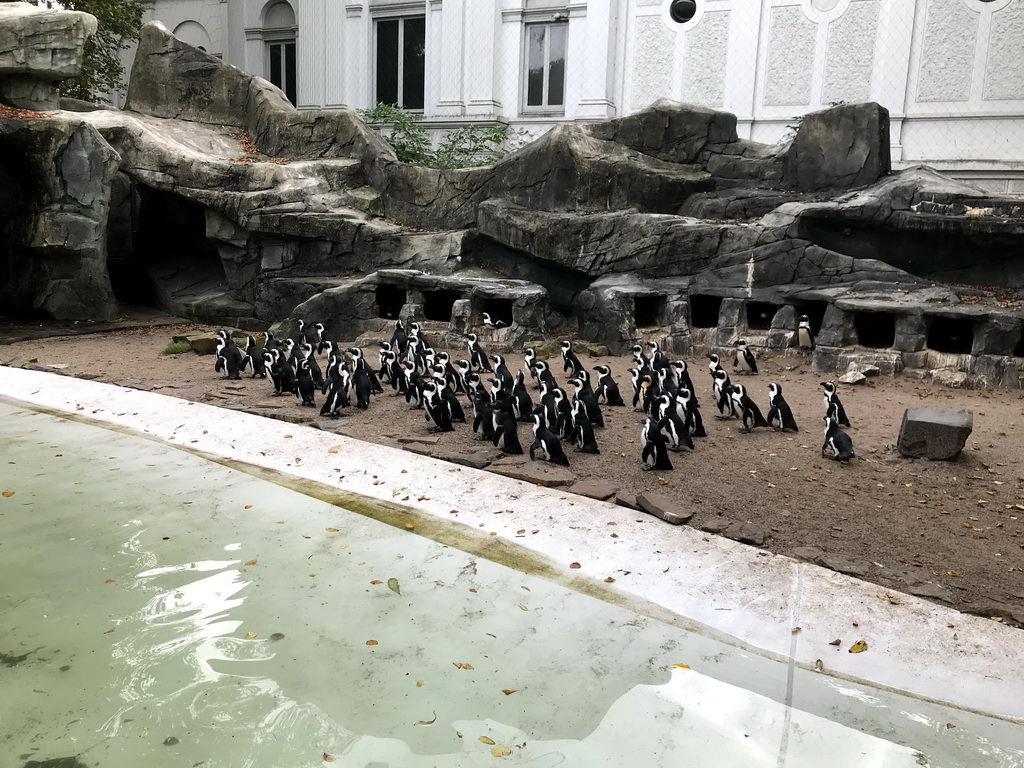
x: 952, y: 378
x: 840, y: 148
x: 933, y: 433
x: 536, y: 472
x: 477, y: 459
x: 853, y: 377
x: 932, y: 590
x: 627, y: 500
x: 662, y: 507
x: 746, y: 533
x: 808, y: 554
x: 419, y: 440
x: 715, y: 525
x: 595, y: 489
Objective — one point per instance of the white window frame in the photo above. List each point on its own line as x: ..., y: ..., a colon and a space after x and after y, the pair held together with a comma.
x: 401, y: 18
x: 282, y: 38
x: 545, y: 108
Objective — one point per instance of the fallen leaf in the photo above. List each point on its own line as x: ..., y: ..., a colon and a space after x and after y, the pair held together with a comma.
x: 7, y: 494
x: 250, y: 635
x: 836, y: 642
x: 371, y: 642
x: 523, y: 607
x: 794, y: 630
x: 287, y: 436
x: 393, y: 585
x: 859, y: 647
x: 609, y: 580
x: 952, y: 573
x: 575, y: 565
x: 331, y: 530
x: 329, y: 758
x: 248, y: 506
x: 501, y: 751
x: 680, y: 666
x: 521, y: 530
x: 420, y: 683
x: 312, y: 575
x: 334, y: 449
x: 461, y: 665
x: 109, y: 581
x: 251, y: 562
x: 472, y: 590
x: 485, y: 740
x: 376, y: 581
x: 509, y: 691
x: 427, y: 722
x: 409, y: 526
x: 950, y: 725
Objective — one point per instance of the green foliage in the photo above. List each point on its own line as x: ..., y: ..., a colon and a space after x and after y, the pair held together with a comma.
x: 466, y: 147
x: 177, y: 348
x: 118, y: 23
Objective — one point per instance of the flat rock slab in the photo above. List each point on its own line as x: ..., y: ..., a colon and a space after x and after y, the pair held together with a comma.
x: 595, y: 489
x: 536, y: 472
x: 477, y: 459
x: 663, y: 507
x: 934, y: 433
x: 627, y: 500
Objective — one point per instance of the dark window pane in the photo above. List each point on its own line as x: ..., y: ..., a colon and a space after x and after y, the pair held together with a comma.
x: 556, y: 65
x: 413, y: 49
x: 289, y: 73
x: 275, y: 64
x: 535, y: 67
x: 387, y: 62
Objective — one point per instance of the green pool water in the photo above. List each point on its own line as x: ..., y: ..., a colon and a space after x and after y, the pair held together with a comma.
x: 159, y: 609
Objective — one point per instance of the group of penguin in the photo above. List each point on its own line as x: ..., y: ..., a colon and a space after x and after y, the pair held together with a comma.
x: 500, y: 399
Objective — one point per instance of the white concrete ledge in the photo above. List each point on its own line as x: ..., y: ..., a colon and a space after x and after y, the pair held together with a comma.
x: 756, y: 598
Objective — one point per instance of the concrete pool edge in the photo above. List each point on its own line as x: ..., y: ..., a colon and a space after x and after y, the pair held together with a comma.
x: 747, y: 594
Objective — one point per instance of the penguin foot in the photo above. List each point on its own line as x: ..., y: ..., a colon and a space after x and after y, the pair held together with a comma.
x: 647, y: 468
x: 744, y: 431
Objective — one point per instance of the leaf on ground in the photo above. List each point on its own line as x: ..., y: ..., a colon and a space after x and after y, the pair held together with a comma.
x: 248, y: 506
x: 500, y: 750
x: 794, y: 630
x: 859, y: 647
x: 250, y: 635
x: 485, y: 740
x: 420, y: 683
x: 7, y: 494
x: 393, y: 585
x: 251, y: 562
x: 376, y: 581
x: 574, y: 566
x: 523, y: 607
x: 836, y: 642
x: 334, y: 449
x: 509, y: 691
x: 462, y: 665
x: 329, y: 758
x: 371, y: 642
x: 680, y: 666
x: 609, y: 580
x: 331, y: 530
x: 819, y: 665
x: 427, y: 722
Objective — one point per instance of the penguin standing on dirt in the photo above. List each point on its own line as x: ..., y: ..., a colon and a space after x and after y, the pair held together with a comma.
x: 522, y: 403
x: 529, y: 358
x: 658, y: 360
x: 745, y: 360
x: 306, y: 384
x: 483, y: 415
x: 833, y: 405
x: 689, y: 412
x: 570, y: 363
x: 655, y: 452
x: 502, y: 372
x: 282, y: 373
x: 229, y: 357
x: 681, y: 372
x: 359, y: 363
x: 335, y: 391
x: 545, y: 443
x: 714, y: 364
x: 362, y: 386
x: 437, y: 408
x: 606, y: 387
x: 589, y: 400
x: 506, y: 431
x: 254, y: 358
x: 722, y: 389
x: 805, y: 336
x: 837, y: 445
x: 582, y: 433
x: 780, y: 417
x: 674, y: 426
x: 750, y: 414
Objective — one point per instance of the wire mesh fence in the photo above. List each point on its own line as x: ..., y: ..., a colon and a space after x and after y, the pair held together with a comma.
x: 950, y: 72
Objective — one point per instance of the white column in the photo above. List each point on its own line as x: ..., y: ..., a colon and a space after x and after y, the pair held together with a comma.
x: 741, y: 67
x: 309, y: 52
x: 508, y: 58
x: 446, y: 54
x: 337, y: 59
x: 481, y: 26
x: 588, y: 87
x: 892, y: 66
x: 357, y: 50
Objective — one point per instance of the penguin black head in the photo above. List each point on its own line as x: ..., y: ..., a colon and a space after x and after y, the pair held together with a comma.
x: 471, y: 336
x: 566, y: 345
x: 356, y: 352
x: 714, y: 358
x: 603, y: 370
x: 497, y: 359
x: 829, y: 387
x: 741, y: 343
x: 529, y: 353
x: 775, y: 389
x: 805, y: 320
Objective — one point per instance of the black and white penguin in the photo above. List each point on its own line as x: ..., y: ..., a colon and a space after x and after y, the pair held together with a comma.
x: 415, y: 328
x: 745, y: 360
x: 325, y: 339
x: 545, y: 443
x: 581, y: 434
x: 689, y: 411
x: 254, y: 358
x: 336, y: 391
x: 306, y: 350
x: 544, y: 375
x: 362, y: 385
x: 722, y: 389
x: 570, y: 363
x: 492, y: 323
x: 607, y: 389
x: 502, y: 372
x: 454, y: 406
x: 563, y: 412
x: 640, y: 360
x: 780, y: 417
x: 400, y: 340
x: 589, y: 400
x: 506, y: 431
x: 436, y: 408
x: 529, y: 358
x: 483, y: 415
x: 750, y: 414
x: 229, y: 358
x: 714, y: 364
x: 657, y: 358
x: 655, y: 451
x: 838, y: 444
x: 306, y: 384
x: 833, y: 405
x: 282, y: 373
x: 477, y: 355
x: 270, y: 343
x: 359, y: 363
x: 521, y: 402
x: 674, y: 428
x: 804, y: 335
x: 681, y: 372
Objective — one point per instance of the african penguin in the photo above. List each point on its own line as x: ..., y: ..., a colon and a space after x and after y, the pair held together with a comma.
x: 780, y: 417
x: 750, y: 414
x: 655, y: 452
x: 745, y: 360
x: 545, y: 443
x: 606, y: 387
x: 838, y: 444
x: 804, y: 335
x: 833, y: 405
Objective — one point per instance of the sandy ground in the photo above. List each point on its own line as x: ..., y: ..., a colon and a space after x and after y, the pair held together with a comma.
x: 948, y: 531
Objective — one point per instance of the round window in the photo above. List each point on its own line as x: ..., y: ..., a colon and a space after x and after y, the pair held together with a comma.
x: 682, y: 11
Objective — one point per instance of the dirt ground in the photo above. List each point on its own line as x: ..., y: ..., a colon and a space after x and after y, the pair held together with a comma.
x: 949, y: 531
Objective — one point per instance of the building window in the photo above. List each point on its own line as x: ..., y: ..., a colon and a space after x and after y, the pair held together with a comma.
x: 278, y: 33
x: 545, y: 66
x: 401, y: 48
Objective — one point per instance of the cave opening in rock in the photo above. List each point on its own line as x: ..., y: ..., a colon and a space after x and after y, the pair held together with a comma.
x: 815, y: 311
x: 390, y: 300
x: 875, y: 329
x: 171, y: 258
x: 704, y: 310
x: 499, y: 310
x: 1018, y: 350
x: 954, y: 335
x: 437, y: 305
x: 760, y: 315
x: 649, y: 311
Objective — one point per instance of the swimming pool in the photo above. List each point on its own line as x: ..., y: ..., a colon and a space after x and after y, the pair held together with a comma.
x: 162, y: 609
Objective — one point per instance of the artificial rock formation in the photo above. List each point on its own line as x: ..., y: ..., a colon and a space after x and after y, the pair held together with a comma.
x: 232, y: 207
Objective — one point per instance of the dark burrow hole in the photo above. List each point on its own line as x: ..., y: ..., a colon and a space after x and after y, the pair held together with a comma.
x: 815, y: 311
x: 704, y: 311
x: 499, y: 310
x: 760, y: 315
x: 437, y: 305
x: 875, y: 329
x: 649, y: 311
x: 954, y: 335
x: 390, y: 300
x: 1018, y: 351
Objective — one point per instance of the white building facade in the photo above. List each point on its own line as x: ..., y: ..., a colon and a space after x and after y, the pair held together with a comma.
x: 951, y: 72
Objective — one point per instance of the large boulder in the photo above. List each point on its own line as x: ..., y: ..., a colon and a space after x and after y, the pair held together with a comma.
x: 934, y: 433
x: 843, y: 147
